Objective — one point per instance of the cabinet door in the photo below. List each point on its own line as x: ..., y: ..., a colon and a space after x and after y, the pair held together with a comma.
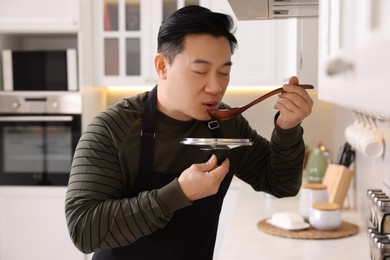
x: 267, y: 51
x: 39, y: 16
x: 126, y: 40
x: 123, y: 41
x: 32, y: 224
x: 353, y: 54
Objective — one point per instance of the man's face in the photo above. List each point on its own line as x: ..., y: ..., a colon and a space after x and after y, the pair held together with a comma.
x: 197, y: 78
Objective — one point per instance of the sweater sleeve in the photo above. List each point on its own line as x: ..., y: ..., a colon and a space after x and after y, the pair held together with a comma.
x: 273, y: 166
x: 98, y: 213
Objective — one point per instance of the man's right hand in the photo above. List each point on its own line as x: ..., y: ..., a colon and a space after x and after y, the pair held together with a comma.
x: 202, y: 180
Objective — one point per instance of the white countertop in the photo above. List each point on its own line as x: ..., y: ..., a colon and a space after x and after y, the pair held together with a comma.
x: 242, y: 239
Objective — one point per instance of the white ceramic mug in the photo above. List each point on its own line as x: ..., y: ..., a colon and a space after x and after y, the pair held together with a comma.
x: 353, y: 132
x: 370, y: 143
x: 365, y: 139
x: 325, y: 216
x: 311, y: 193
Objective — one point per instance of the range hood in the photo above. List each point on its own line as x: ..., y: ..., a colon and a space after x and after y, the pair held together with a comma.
x: 273, y: 9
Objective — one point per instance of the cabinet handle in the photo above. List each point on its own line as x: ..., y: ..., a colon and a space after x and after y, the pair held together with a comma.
x: 338, y: 66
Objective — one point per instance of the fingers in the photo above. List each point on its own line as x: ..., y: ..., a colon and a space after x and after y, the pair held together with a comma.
x: 202, y: 180
x: 212, y: 169
x: 293, y: 81
x: 220, y: 171
x: 296, y: 99
x: 294, y: 104
x: 209, y: 165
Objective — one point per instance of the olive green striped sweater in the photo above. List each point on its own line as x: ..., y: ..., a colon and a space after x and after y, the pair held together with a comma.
x: 99, y: 212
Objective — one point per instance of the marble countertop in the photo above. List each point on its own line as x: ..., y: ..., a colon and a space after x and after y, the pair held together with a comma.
x: 242, y: 239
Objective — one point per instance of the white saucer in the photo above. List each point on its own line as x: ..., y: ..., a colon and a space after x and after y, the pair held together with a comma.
x: 294, y: 227
x: 288, y: 221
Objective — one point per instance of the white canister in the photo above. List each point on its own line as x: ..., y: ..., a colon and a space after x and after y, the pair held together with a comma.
x: 311, y: 193
x: 325, y: 216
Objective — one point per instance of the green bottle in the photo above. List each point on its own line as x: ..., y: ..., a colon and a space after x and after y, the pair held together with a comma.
x: 316, y: 165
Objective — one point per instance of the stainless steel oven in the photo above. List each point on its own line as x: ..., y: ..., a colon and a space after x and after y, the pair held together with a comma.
x: 38, y: 136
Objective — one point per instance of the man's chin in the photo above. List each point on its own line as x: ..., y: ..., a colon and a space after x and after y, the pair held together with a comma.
x: 205, y: 117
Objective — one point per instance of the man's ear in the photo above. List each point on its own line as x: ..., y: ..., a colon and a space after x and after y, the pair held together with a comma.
x: 160, y: 65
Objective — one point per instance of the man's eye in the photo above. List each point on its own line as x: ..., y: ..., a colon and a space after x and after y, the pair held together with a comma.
x: 200, y: 72
x: 224, y: 73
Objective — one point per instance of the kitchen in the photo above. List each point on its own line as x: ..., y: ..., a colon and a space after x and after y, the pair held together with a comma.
x: 74, y: 26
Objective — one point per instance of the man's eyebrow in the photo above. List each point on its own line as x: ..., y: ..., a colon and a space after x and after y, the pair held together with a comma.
x: 201, y: 61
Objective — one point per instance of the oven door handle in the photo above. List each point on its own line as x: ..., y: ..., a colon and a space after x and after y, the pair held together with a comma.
x: 36, y: 118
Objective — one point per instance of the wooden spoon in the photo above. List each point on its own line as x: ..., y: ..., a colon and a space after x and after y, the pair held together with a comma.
x: 224, y: 114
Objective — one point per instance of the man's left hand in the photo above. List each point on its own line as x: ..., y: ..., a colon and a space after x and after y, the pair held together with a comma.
x: 294, y: 105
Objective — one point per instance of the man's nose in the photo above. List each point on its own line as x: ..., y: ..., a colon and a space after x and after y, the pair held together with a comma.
x: 214, y: 85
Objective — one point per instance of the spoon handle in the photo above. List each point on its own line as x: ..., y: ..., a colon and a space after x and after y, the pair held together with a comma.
x: 271, y: 93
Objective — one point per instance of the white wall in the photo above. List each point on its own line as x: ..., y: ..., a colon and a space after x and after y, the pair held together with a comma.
x: 369, y: 173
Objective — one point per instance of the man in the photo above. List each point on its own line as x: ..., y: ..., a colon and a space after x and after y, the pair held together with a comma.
x: 135, y: 192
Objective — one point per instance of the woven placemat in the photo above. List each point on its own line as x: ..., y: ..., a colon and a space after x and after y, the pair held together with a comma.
x: 346, y: 229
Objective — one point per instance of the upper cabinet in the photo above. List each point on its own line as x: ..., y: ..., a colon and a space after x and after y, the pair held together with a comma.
x: 126, y: 39
x: 39, y: 25
x: 354, y: 53
x: 32, y: 16
x: 123, y: 41
x: 126, y: 43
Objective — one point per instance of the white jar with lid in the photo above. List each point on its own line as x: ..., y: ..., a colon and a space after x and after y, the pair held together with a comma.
x: 311, y: 193
x: 325, y: 216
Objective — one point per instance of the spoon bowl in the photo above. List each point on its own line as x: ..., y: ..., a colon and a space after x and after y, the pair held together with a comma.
x: 225, y: 114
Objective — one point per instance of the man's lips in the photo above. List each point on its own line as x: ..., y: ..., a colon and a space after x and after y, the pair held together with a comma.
x: 211, y: 105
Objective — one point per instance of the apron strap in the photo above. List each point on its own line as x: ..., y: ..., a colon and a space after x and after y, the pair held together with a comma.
x: 148, y: 131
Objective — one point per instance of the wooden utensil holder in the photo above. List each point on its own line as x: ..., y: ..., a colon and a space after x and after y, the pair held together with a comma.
x: 337, y: 178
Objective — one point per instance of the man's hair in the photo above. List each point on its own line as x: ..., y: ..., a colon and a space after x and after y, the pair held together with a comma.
x: 193, y: 19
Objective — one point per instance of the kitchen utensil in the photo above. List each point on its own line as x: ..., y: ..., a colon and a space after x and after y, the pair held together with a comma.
x: 219, y: 146
x: 347, y: 155
x: 337, y: 178
x: 224, y: 114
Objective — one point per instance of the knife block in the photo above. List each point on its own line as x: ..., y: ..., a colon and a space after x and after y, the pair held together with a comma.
x: 337, y: 178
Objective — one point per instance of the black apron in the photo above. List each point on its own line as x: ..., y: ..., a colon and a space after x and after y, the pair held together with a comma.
x: 191, y: 233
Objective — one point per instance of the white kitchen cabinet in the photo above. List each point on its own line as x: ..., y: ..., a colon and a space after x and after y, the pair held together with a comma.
x: 354, y: 40
x: 33, y: 226
x: 268, y: 50
x: 126, y: 39
x: 126, y: 42
x: 39, y: 25
x: 123, y: 41
x: 308, y: 51
x: 39, y: 16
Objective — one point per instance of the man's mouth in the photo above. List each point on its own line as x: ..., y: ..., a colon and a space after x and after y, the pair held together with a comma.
x: 211, y: 105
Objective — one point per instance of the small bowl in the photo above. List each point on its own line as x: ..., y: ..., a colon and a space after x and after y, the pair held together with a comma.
x: 325, y: 216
